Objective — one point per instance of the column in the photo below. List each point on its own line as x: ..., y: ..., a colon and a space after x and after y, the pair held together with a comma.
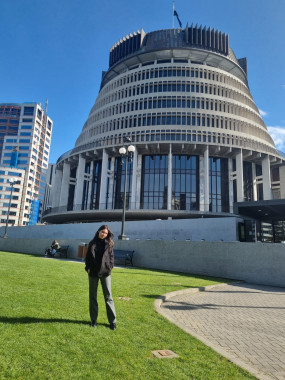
x: 64, y: 184
x: 134, y: 180
x: 169, y: 183
x: 103, y: 183
x: 78, y: 193
x: 282, y: 181
x: 111, y: 171
x: 254, y: 181
x: 202, y: 183
x: 90, y: 184
x: 239, y: 177
x: 55, y: 188
x: 231, y: 185
x: 206, y: 179
x: 139, y: 181
x: 267, y: 192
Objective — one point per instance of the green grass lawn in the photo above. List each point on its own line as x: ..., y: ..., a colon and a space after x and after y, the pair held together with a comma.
x: 45, y: 332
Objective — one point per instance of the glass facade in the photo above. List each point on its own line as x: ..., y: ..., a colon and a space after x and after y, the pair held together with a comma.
x: 154, y: 182
x: 119, y: 183
x: 71, y: 191
x: 247, y: 181
x: 185, y: 183
x: 218, y: 185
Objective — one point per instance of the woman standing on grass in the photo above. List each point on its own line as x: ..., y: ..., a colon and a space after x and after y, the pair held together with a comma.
x: 99, y: 263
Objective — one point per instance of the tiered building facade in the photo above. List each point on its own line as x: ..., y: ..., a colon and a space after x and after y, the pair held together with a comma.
x: 183, y: 99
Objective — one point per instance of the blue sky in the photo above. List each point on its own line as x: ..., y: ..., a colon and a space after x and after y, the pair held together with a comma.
x: 57, y: 49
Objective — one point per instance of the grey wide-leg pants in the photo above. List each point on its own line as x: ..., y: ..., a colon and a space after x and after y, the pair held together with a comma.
x: 107, y: 292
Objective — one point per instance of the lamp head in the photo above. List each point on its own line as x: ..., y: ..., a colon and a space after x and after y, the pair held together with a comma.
x: 12, y: 180
x: 131, y: 148
x: 122, y: 151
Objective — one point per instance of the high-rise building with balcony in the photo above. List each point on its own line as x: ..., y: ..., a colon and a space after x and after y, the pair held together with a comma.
x: 25, y: 137
x: 182, y: 97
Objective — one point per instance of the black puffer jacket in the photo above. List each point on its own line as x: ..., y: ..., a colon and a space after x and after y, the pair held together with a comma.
x: 107, y: 263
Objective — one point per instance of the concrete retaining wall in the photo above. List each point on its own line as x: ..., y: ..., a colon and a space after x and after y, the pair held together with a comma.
x: 212, y: 229
x: 260, y: 263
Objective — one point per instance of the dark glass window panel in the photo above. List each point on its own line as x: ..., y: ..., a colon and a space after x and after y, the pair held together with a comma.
x: 73, y: 173
x: 95, y: 187
x: 70, y: 198
x: 119, y: 180
x: 247, y: 181
x: 185, y: 178
x: 28, y: 111
x: 279, y: 231
x: 218, y: 185
x: 258, y: 170
x: 154, y: 182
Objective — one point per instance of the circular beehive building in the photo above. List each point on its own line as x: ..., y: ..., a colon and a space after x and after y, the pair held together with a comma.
x: 182, y: 97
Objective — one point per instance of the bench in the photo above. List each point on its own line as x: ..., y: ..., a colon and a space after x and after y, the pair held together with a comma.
x: 62, y: 251
x: 123, y: 255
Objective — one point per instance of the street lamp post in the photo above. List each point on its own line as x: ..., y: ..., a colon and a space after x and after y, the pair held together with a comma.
x: 12, y: 183
x: 127, y: 154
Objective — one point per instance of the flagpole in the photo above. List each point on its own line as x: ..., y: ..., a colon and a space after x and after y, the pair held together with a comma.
x: 173, y: 15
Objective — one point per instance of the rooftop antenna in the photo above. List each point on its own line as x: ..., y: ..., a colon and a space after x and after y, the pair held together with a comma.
x: 46, y: 106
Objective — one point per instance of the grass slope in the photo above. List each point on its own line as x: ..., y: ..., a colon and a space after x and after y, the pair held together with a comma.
x: 45, y: 333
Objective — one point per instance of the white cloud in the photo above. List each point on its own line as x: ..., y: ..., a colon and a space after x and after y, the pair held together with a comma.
x: 283, y: 85
x: 262, y: 113
x: 278, y: 135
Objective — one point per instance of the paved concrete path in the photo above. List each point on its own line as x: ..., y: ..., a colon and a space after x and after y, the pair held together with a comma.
x: 243, y: 322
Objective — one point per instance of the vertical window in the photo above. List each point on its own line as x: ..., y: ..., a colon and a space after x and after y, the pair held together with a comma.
x: 185, y: 183
x: 154, y: 182
x: 247, y: 181
x: 95, y: 187
x: 218, y: 185
x: 28, y: 111
x: 119, y: 181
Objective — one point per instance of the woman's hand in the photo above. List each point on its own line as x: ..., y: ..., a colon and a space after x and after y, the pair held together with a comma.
x: 88, y: 271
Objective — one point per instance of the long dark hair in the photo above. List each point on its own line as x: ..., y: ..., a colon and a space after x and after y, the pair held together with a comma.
x: 109, y: 237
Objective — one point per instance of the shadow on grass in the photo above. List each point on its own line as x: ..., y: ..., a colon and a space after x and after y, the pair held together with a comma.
x: 151, y: 295
x: 165, y: 273
x: 180, y: 286
x: 31, y: 320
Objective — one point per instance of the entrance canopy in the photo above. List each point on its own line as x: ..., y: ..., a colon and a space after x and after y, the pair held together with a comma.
x: 265, y: 211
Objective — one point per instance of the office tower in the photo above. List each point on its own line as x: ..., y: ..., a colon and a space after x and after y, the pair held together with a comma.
x: 25, y: 137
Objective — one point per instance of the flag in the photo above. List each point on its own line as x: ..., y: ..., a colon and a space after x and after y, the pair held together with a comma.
x: 178, y: 19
